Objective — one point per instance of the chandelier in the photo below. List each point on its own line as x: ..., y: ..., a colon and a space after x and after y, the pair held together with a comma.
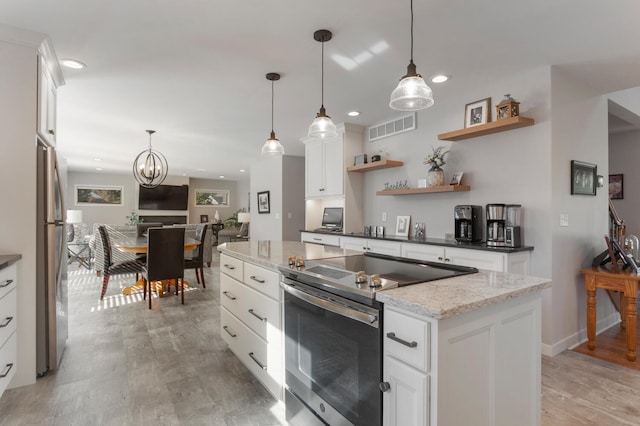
x: 150, y: 167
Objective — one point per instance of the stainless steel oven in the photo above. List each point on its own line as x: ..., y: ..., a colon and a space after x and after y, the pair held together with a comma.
x: 332, y: 358
x: 333, y: 334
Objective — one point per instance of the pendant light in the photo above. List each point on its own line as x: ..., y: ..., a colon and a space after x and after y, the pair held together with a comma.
x: 150, y: 167
x: 272, y: 146
x: 412, y: 93
x: 322, y: 127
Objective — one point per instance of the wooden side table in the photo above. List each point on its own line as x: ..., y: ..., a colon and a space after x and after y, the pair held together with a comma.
x: 625, y: 282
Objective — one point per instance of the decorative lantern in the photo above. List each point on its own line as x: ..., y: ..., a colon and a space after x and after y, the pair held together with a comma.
x: 507, y: 108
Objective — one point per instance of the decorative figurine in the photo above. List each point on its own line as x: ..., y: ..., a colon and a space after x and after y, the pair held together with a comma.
x: 507, y: 108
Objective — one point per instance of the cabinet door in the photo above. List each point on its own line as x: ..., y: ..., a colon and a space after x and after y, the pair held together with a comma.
x: 476, y: 259
x: 47, y: 99
x: 406, y: 402
x: 358, y: 244
x: 334, y: 168
x: 314, y: 162
x: 423, y: 252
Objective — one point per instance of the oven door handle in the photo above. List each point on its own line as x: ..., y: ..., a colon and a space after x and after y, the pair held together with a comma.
x: 337, y: 308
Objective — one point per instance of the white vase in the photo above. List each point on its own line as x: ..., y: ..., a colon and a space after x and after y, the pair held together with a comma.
x: 435, y: 177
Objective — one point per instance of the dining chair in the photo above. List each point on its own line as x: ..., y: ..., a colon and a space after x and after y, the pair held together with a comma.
x: 141, y: 231
x: 110, y: 268
x: 197, y: 262
x: 165, y: 258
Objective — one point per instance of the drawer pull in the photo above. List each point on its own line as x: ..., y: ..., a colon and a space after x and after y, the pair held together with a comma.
x: 260, y: 280
x: 6, y: 322
x: 226, y: 293
x: 439, y: 257
x: 384, y: 386
x: 393, y: 337
x: 225, y: 328
x: 7, y: 283
x: 264, y: 367
x: 257, y: 316
x: 6, y: 372
x: 226, y: 265
x: 317, y: 239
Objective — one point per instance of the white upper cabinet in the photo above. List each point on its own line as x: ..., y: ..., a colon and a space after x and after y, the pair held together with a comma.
x: 49, y: 79
x: 325, y: 167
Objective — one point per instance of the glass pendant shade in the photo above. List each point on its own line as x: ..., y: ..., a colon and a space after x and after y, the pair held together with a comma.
x: 412, y: 94
x: 322, y: 127
x: 272, y: 146
x: 150, y: 168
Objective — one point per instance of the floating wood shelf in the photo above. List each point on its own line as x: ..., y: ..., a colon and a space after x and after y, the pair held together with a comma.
x: 487, y: 129
x: 431, y: 189
x: 376, y: 165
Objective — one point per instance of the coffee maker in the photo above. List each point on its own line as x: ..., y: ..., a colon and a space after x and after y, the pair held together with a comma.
x: 468, y: 223
x: 496, y: 221
x: 513, y: 227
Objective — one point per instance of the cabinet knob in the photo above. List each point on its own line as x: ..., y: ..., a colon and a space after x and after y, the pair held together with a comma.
x: 446, y: 259
x: 439, y: 257
x: 51, y: 132
x: 384, y: 387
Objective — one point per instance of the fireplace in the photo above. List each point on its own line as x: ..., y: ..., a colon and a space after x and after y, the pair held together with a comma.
x: 165, y: 220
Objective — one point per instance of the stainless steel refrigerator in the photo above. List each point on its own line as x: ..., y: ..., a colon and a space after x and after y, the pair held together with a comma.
x: 51, y: 287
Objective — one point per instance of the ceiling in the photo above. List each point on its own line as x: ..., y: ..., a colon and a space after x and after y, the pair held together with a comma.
x: 195, y: 71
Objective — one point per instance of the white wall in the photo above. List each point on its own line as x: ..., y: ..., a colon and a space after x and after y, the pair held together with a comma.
x: 266, y: 175
x: 236, y: 199
x: 624, y: 153
x: 293, y: 190
x: 18, y: 86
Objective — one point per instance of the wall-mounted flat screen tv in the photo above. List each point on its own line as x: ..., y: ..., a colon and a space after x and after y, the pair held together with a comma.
x: 164, y: 197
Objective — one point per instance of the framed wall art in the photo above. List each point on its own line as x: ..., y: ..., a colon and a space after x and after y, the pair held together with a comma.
x: 204, y: 218
x: 477, y: 113
x: 263, y: 202
x: 212, y: 197
x: 402, y: 226
x: 98, y: 195
x: 616, y: 188
x: 583, y: 178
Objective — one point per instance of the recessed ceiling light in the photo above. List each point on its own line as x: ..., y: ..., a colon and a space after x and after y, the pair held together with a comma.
x: 98, y: 168
x: 97, y: 159
x: 72, y: 63
x: 221, y: 177
x: 439, y: 78
x: 242, y: 170
x: 201, y: 170
x: 353, y: 113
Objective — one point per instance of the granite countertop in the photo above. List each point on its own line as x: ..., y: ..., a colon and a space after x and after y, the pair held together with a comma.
x: 453, y: 296
x: 430, y: 241
x: 270, y: 254
x: 8, y: 259
x: 437, y: 299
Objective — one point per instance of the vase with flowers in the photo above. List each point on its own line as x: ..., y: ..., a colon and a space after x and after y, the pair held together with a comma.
x: 435, y: 176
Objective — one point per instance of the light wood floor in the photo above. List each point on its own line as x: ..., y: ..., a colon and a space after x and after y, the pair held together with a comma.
x: 127, y: 365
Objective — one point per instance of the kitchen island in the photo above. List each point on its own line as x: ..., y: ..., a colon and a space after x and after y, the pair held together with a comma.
x: 463, y: 350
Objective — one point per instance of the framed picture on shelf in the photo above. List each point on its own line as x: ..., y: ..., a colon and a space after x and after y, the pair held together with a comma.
x: 477, y: 113
x: 263, y: 202
x: 91, y: 195
x: 583, y: 178
x: 212, y: 197
x: 616, y: 187
x: 204, y: 218
x: 456, y: 179
x: 402, y: 226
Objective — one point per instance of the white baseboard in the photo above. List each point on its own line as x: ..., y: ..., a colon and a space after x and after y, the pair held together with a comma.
x: 580, y: 337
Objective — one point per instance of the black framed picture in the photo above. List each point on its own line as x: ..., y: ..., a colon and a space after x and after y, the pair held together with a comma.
x: 263, y: 202
x: 204, y: 218
x: 583, y: 178
x: 616, y: 188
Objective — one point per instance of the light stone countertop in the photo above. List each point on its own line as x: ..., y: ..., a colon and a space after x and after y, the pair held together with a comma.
x: 437, y: 299
x: 270, y: 254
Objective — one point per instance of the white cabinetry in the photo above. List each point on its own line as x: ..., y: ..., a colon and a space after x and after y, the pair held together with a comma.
x: 49, y: 79
x: 251, y: 322
x: 8, y: 321
x: 324, y: 162
x: 324, y: 239
x: 517, y: 262
x: 480, y: 368
x: 389, y: 248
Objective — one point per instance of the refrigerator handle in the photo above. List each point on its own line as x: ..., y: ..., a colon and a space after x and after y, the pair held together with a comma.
x: 60, y: 222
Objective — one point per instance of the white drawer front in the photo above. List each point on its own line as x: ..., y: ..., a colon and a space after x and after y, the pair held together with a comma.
x: 230, y: 329
x: 8, y: 358
x: 327, y: 240
x: 407, y: 339
x: 8, y: 278
x: 263, y: 280
x: 8, y: 308
x: 231, y: 266
x: 476, y: 259
x: 254, y: 309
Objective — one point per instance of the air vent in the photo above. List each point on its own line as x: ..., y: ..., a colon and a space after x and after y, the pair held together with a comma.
x: 393, y: 127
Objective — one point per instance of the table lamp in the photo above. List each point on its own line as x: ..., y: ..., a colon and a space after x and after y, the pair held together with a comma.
x: 244, y: 219
x: 74, y: 219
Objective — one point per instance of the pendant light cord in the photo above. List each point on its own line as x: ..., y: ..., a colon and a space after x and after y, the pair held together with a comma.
x: 322, y: 75
x: 411, y: 31
x: 271, y: 106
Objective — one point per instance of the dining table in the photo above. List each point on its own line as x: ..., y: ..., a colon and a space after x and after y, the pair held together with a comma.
x: 139, y: 245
